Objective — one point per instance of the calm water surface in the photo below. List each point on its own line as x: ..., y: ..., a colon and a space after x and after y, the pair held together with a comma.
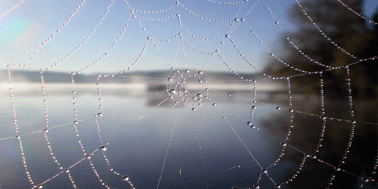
x: 204, y: 151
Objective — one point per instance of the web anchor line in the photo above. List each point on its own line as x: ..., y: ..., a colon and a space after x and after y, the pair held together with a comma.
x: 201, y: 155
x: 166, y: 153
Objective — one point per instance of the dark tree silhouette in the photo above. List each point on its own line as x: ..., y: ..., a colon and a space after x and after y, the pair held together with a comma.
x: 358, y: 37
x: 352, y: 33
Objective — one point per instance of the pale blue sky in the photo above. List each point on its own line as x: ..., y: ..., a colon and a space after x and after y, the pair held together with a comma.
x: 34, y: 21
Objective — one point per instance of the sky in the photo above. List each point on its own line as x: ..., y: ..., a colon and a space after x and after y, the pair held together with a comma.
x: 113, y: 47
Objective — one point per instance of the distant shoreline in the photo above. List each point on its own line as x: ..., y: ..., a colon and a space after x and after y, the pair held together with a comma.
x: 237, y: 87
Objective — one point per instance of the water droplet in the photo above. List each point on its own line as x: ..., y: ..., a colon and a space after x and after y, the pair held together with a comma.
x: 256, y: 187
x: 194, y: 109
x: 253, y: 107
x: 264, y: 171
x: 291, y: 110
x: 199, y: 95
x: 227, y: 36
x: 236, y: 19
x: 283, y: 144
x: 249, y: 123
x: 169, y: 79
x: 214, y: 104
x: 67, y: 170
x: 242, y: 19
x: 229, y: 94
x: 125, y: 178
x: 103, y: 148
x: 278, y: 108
x: 186, y: 71
x: 88, y: 157
x: 172, y: 91
x: 18, y: 136
x: 46, y: 130
x: 200, y: 72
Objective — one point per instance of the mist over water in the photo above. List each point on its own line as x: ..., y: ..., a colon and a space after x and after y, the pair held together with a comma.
x: 137, y: 120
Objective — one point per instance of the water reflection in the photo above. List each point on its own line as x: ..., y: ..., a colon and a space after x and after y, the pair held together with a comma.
x: 204, y: 151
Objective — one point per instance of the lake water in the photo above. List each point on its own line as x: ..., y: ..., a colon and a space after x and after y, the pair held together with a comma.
x: 205, y: 150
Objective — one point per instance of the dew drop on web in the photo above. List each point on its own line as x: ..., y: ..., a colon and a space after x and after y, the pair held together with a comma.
x: 125, y: 178
x: 103, y: 148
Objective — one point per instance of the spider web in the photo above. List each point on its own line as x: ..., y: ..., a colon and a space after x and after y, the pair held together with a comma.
x: 206, y: 117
